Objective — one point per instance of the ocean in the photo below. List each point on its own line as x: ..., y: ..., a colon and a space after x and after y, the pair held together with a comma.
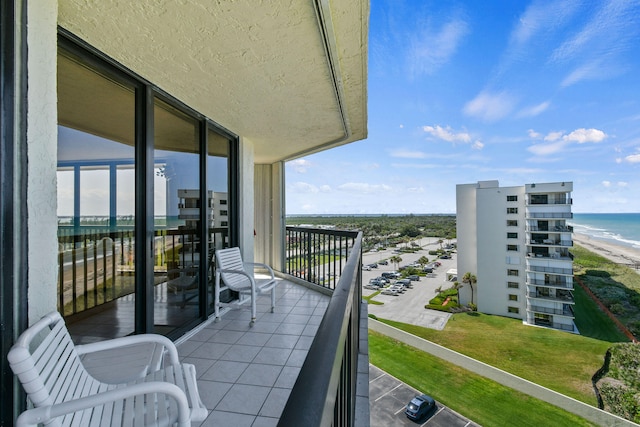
x: 621, y: 228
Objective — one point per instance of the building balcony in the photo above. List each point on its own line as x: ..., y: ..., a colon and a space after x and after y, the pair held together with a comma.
x: 551, y: 229
x: 548, y: 215
x: 561, y: 256
x: 566, y: 310
x: 552, y: 270
x: 564, y: 284
x: 554, y: 325
x: 567, y: 298
x: 550, y: 242
x: 539, y: 199
x: 274, y: 373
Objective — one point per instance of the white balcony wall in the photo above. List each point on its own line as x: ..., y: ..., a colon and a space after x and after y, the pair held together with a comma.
x: 42, y: 146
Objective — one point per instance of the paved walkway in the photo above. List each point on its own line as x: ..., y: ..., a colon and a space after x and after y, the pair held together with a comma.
x: 588, y: 412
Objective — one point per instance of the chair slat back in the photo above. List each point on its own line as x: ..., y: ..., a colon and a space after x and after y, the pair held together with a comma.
x: 230, y: 259
x: 49, y: 368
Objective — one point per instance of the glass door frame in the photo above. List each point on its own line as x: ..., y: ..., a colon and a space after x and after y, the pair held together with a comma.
x: 145, y: 94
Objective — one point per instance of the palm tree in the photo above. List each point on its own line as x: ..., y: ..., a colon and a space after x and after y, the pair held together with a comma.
x: 423, y: 260
x: 470, y: 279
x: 396, y: 260
x: 438, y: 290
x: 440, y: 241
x: 457, y: 286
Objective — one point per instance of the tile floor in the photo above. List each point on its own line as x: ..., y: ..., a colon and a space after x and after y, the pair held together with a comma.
x: 245, y: 374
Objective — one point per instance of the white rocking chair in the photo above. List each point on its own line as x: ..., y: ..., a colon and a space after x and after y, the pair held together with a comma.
x: 63, y: 393
x: 239, y: 277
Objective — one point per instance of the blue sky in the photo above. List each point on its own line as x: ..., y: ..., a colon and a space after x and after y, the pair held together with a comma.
x: 463, y: 91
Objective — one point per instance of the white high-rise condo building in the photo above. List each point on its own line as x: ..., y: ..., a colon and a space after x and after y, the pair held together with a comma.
x: 516, y: 241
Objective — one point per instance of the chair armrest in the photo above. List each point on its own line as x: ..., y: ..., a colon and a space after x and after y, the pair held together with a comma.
x: 244, y: 273
x: 35, y: 416
x: 170, y: 347
x: 253, y: 265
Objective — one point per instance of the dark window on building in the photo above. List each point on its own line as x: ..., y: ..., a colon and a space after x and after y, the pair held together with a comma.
x: 514, y: 310
x: 512, y: 210
x: 513, y: 273
x: 512, y: 248
x: 512, y: 198
x: 513, y: 285
x: 512, y: 235
x: 513, y: 297
x: 512, y: 223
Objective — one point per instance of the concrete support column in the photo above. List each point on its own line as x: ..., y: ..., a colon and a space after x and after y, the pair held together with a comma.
x: 270, y: 214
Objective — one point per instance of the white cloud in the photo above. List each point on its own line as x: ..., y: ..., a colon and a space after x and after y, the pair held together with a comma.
x: 430, y: 49
x: 300, y: 165
x: 361, y: 187
x: 623, y: 184
x: 447, y: 134
x: 547, y: 149
x: 553, y: 136
x: 633, y: 158
x: 583, y: 135
x: 325, y: 188
x: 534, y: 110
x: 477, y: 145
x: 490, y: 107
x: 557, y: 141
x: 606, y: 184
x: 533, y: 134
x: 304, y: 187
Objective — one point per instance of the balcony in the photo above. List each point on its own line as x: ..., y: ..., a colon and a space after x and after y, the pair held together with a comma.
x: 554, y: 325
x: 297, y: 366
x: 551, y: 229
x: 550, y: 242
x: 561, y: 256
x: 568, y: 297
x: 565, y: 284
x: 548, y: 215
x: 566, y: 310
x: 552, y: 270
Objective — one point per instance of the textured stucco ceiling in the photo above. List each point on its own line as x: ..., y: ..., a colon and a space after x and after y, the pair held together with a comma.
x: 261, y: 69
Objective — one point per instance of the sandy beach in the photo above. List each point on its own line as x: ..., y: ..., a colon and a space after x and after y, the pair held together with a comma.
x: 617, y: 253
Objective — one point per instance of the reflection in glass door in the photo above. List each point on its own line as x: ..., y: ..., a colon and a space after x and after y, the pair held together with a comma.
x: 96, y: 137
x: 177, y: 245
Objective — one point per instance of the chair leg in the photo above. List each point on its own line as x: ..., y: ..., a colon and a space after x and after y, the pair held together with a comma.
x: 253, y: 305
x: 216, y: 298
x: 273, y: 299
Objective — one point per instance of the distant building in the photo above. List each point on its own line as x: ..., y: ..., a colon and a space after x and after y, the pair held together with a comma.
x: 516, y: 242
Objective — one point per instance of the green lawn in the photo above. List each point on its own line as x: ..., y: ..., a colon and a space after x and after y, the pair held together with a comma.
x: 591, y: 321
x: 482, y: 400
x: 558, y: 360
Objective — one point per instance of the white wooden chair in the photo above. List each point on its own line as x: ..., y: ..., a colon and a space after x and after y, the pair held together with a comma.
x: 63, y: 393
x: 240, y: 277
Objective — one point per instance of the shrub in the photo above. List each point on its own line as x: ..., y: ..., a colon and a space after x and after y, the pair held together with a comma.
x: 472, y: 306
x: 617, y: 308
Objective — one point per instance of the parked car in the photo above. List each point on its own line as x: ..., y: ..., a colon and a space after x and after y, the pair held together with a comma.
x: 383, y: 262
x: 419, y: 407
x: 391, y: 275
x: 428, y: 269
x: 377, y: 282
x: 366, y: 268
x: 413, y: 277
x: 390, y: 291
x: 445, y: 257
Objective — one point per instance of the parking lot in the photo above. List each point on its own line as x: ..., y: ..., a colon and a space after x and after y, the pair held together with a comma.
x: 408, y: 307
x: 388, y: 397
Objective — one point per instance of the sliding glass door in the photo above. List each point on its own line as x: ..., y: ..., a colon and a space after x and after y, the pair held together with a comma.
x: 127, y: 266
